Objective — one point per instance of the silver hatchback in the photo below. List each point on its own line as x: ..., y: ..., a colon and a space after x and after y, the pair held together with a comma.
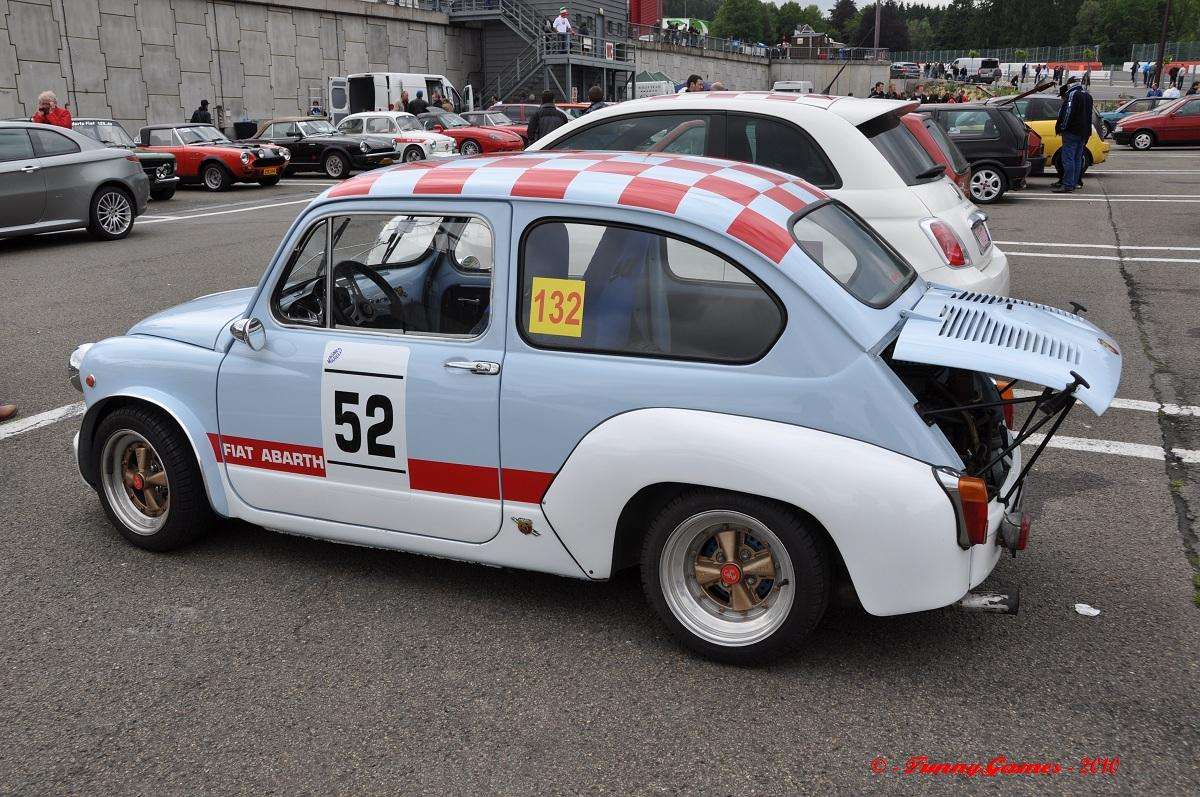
x: 56, y: 179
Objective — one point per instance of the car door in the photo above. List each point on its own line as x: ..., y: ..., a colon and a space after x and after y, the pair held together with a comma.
x: 68, y: 184
x: 339, y: 99
x: 352, y: 414
x: 1182, y: 125
x: 22, y: 186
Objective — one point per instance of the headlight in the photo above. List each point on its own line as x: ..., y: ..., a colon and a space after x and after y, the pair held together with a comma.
x: 364, y: 146
x: 245, y: 157
x: 164, y: 171
x: 74, y: 363
x: 495, y: 137
x: 287, y: 154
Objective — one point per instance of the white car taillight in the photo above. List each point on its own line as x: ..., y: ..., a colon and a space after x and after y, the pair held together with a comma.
x: 947, y: 242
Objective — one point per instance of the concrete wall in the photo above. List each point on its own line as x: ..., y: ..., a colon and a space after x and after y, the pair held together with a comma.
x: 141, y: 61
x: 748, y: 73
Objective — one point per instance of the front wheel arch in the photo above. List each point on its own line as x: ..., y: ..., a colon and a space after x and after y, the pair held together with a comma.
x: 213, y: 486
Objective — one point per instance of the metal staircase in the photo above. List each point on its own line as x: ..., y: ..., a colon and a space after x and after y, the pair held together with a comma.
x: 519, y: 17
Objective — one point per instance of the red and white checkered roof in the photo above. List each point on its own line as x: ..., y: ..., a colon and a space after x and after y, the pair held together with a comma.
x: 749, y: 203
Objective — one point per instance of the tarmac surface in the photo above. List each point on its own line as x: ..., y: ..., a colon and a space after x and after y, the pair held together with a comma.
x: 255, y: 662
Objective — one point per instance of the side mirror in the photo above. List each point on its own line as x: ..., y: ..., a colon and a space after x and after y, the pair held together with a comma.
x: 249, y: 331
x: 438, y: 129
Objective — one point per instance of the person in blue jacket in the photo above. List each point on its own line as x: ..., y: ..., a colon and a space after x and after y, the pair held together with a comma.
x: 1075, y: 126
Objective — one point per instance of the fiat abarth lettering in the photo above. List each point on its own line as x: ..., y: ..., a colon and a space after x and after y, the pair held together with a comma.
x: 577, y: 362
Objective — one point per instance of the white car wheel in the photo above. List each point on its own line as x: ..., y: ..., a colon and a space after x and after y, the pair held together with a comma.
x: 987, y: 185
x: 1143, y: 141
x: 469, y: 148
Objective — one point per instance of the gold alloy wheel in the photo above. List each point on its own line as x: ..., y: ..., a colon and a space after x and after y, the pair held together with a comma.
x: 135, y: 482
x: 727, y: 577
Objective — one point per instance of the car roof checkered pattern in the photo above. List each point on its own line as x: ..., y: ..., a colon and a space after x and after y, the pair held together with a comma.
x: 747, y: 202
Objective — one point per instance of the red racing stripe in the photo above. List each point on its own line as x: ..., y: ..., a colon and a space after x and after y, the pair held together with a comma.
x: 472, y: 481
x: 526, y: 486
x: 268, y: 455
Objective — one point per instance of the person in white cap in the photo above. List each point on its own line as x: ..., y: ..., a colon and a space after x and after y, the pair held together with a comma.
x: 563, y: 26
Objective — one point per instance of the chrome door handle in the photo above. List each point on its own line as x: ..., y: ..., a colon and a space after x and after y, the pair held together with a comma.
x: 474, y: 366
x: 30, y: 168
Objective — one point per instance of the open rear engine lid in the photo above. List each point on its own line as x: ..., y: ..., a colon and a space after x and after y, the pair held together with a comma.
x: 1011, y: 338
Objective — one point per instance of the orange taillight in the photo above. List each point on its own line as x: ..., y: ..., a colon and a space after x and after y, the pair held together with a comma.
x: 973, y: 496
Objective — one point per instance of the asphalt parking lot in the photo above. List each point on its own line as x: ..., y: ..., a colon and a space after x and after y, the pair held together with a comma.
x: 255, y: 662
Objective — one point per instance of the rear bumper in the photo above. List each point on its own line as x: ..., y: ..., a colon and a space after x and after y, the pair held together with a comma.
x: 370, y: 160
x: 993, y: 279
x: 1016, y: 174
x: 1037, y: 165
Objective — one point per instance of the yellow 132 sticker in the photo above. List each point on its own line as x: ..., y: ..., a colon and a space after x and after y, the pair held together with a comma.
x: 557, y: 307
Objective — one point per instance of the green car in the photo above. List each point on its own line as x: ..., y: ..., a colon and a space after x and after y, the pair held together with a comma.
x: 159, y: 166
x: 1142, y: 104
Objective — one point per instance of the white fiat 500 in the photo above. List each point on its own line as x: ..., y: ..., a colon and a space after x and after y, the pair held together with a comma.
x: 857, y: 150
x: 414, y: 141
x: 576, y: 362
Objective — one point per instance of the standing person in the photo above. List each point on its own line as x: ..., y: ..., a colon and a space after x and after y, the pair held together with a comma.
x: 1146, y: 68
x: 418, y: 105
x: 545, y: 119
x: 1133, y: 71
x: 316, y: 110
x: 877, y: 91
x: 1075, y: 125
x: 564, y: 29
x: 201, y: 114
x: 404, y: 100
x: 1195, y: 89
x: 596, y: 98
x: 695, y: 83
x: 48, y: 113
x: 1024, y: 72
x: 1087, y: 77
x: 1174, y: 73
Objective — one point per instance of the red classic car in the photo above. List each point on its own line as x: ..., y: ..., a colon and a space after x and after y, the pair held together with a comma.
x: 471, y: 140
x: 1177, y: 123
x: 497, y: 120
x: 204, y: 155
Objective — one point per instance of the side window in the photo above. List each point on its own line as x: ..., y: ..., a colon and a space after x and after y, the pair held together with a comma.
x: 678, y: 133
x: 972, y: 123
x: 380, y: 124
x: 47, y: 144
x: 271, y: 131
x: 412, y: 274
x: 1189, y: 109
x: 284, y: 129
x: 351, y: 126
x: 621, y: 290
x: 299, y: 296
x: 14, y: 145
x: 337, y: 97
x: 778, y: 145
x: 162, y: 138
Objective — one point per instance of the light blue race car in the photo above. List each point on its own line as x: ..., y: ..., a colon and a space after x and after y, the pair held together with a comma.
x: 577, y: 362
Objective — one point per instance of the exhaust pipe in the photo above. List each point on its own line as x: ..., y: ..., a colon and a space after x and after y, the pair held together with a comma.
x: 990, y: 602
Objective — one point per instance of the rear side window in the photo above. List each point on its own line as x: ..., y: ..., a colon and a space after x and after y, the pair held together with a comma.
x: 957, y: 160
x: 351, y: 126
x: 48, y: 144
x: 677, y: 133
x: 901, y: 149
x: 161, y: 138
x: 853, y: 255
x: 380, y: 124
x: 970, y: 123
x: 770, y: 142
x: 614, y: 289
x: 14, y: 145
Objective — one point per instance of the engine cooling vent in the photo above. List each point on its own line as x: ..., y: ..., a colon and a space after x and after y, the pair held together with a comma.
x: 978, y: 326
x: 987, y: 299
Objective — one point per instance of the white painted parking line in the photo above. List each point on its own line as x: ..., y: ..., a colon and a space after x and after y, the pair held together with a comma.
x: 1138, y: 450
x: 304, y: 201
x: 1103, y: 172
x: 1131, y: 404
x: 1098, y: 198
x: 1064, y: 256
x: 1103, y: 246
x: 14, y: 428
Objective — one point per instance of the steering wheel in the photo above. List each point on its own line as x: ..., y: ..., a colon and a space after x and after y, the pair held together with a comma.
x: 360, y: 311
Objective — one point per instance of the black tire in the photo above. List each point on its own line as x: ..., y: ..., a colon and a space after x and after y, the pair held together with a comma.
x: 267, y: 182
x: 1107, y: 128
x: 111, y: 215
x: 335, y: 165
x: 806, y: 550
x: 162, y: 194
x: 988, y: 184
x: 1142, y: 140
x: 216, y: 177
x: 188, y: 513
x: 414, y: 153
x: 469, y: 148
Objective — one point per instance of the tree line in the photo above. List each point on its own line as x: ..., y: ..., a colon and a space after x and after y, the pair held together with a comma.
x: 1114, y: 25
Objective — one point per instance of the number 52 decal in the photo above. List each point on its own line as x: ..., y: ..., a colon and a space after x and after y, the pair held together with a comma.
x: 362, y: 414
x: 556, y: 307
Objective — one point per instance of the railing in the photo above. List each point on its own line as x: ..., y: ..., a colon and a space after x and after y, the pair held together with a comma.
x: 523, y: 19
x: 826, y: 53
x: 578, y: 45
x: 511, y: 78
x: 691, y: 39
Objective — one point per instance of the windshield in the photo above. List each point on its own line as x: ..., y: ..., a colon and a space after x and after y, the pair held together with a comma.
x: 499, y: 119
x: 949, y: 147
x: 852, y: 254
x: 408, y: 122
x: 201, y: 135
x: 451, y: 120
x: 105, y: 132
x: 317, y: 128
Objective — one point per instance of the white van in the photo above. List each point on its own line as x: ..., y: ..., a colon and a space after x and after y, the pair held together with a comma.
x: 375, y: 91
x: 793, y: 86
x: 979, y: 70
